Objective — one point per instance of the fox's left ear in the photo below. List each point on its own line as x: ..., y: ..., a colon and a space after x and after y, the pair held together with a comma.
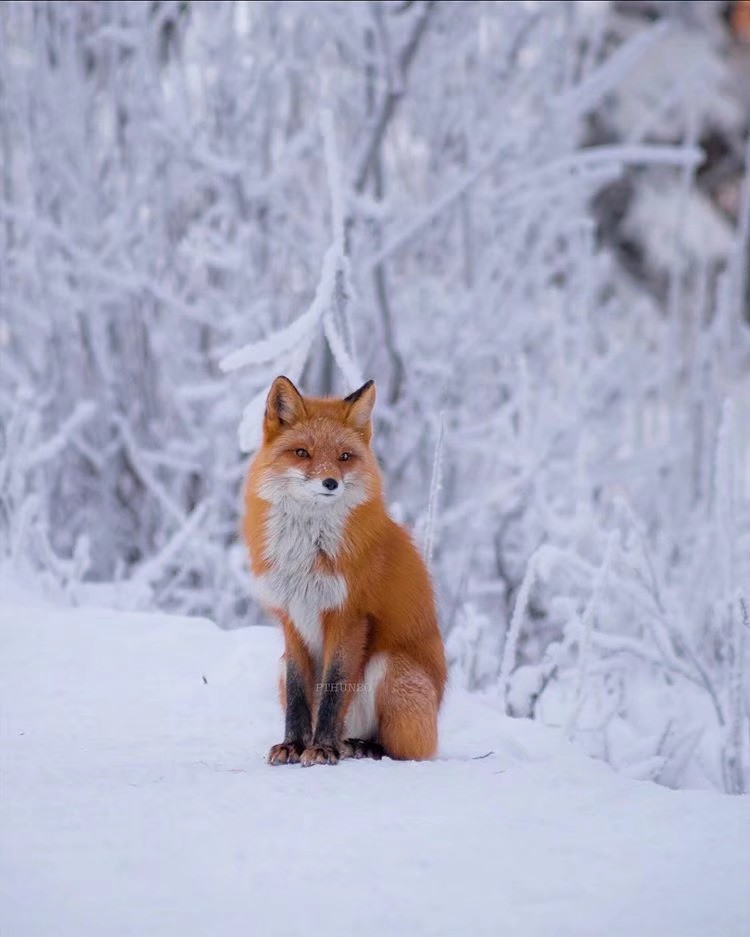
x: 284, y: 407
x: 360, y: 406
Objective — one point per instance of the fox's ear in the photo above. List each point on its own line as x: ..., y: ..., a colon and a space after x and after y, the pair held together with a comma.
x: 284, y: 407
x: 360, y: 406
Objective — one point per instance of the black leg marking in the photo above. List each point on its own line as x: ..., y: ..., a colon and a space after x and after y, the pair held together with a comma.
x: 298, y: 727
x: 298, y: 730
x: 325, y: 747
x: 326, y: 725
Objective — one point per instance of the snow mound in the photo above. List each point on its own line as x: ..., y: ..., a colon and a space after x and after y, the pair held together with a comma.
x: 137, y: 802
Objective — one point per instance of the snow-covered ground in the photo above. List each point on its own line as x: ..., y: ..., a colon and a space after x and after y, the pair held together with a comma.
x: 136, y: 801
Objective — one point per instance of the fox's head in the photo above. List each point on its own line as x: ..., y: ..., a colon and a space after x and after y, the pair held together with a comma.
x: 316, y: 451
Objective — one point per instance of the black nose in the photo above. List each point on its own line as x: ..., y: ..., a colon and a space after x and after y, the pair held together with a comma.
x: 330, y: 483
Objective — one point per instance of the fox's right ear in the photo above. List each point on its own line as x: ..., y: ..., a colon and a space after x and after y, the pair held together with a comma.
x: 359, y: 409
x: 284, y: 407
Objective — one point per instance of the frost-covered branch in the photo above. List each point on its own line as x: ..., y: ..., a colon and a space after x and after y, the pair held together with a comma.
x: 329, y: 308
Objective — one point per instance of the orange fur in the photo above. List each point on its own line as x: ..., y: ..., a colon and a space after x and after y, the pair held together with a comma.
x: 389, y: 607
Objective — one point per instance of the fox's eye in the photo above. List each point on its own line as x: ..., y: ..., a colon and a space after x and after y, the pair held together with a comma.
x: 302, y: 453
x: 345, y: 456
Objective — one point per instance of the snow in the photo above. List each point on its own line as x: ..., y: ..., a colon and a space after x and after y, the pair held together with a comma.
x: 137, y: 801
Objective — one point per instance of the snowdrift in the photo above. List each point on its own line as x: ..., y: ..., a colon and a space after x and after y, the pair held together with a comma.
x: 137, y: 802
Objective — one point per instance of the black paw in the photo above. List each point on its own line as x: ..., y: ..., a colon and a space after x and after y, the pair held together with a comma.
x: 362, y: 748
x: 319, y: 755
x: 285, y: 753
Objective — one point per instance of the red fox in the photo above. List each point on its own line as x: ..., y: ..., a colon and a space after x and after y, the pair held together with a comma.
x: 363, y: 670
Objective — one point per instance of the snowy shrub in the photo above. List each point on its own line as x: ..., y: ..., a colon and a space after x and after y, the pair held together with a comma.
x: 502, y: 213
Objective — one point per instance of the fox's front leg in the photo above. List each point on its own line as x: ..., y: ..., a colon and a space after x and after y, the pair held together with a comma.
x: 296, y: 697
x: 344, y: 648
x: 325, y: 746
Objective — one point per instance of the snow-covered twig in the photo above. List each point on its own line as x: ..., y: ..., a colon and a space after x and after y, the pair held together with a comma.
x: 329, y: 306
x: 435, y: 486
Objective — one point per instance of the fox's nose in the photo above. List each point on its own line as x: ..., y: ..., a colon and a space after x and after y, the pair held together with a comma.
x: 330, y: 483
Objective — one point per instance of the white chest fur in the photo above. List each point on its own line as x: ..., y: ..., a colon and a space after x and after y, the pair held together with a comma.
x: 295, y: 537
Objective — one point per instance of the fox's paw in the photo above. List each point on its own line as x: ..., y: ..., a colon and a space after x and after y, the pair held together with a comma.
x: 319, y: 755
x: 285, y: 753
x: 362, y: 748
